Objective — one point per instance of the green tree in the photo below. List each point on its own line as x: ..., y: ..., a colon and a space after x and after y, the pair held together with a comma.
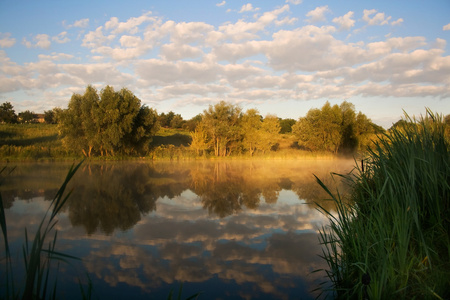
x: 268, y: 133
x: 49, y: 117
x: 107, y: 123
x: 349, y: 140
x: 251, y: 124
x: 320, y: 129
x: 27, y: 116
x: 199, y: 139
x: 166, y: 119
x: 286, y: 125
x: 222, y: 123
x: 191, y: 124
x: 71, y: 126
x: 177, y: 121
x: 7, y: 114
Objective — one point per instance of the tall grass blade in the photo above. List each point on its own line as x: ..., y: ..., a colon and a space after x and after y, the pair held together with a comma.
x: 392, y: 238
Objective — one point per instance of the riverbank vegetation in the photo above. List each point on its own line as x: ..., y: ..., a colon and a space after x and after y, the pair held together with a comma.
x: 391, y: 240
x: 112, y: 125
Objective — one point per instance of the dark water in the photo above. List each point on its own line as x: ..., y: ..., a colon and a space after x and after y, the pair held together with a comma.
x: 231, y: 230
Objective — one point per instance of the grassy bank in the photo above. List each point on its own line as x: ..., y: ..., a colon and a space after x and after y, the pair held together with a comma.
x: 40, y: 142
x: 391, y: 240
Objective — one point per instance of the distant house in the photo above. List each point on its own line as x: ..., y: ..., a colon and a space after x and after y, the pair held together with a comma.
x: 39, y: 118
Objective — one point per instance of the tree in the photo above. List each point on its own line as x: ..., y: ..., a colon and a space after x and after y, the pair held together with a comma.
x: 26, y: 116
x: 71, y: 126
x: 221, y: 122
x: 251, y: 124
x: 349, y: 140
x: 335, y: 129
x: 320, y: 129
x: 199, y: 139
x: 108, y: 122
x: 191, y: 124
x: 268, y: 133
x: 286, y: 125
x: 166, y: 119
x: 7, y: 114
x: 49, y: 117
x: 177, y: 121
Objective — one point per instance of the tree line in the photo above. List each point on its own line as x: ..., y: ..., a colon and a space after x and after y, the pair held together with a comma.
x: 109, y: 122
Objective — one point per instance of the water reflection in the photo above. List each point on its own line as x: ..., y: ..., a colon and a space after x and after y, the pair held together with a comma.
x: 233, y: 230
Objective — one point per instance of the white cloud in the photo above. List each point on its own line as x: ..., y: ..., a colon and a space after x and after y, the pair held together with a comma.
x: 345, y: 22
x: 130, y: 26
x: 40, y: 41
x: 83, y: 23
x: 179, y: 51
x: 248, y: 30
x: 56, y: 56
x: 61, y: 38
x: 295, y: 2
x: 6, y: 41
x: 96, y: 38
x: 247, y: 7
x: 446, y: 27
x: 318, y: 14
x: 397, y: 22
x: 221, y: 3
x: 377, y: 19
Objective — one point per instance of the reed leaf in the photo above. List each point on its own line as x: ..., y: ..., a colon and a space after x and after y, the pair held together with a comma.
x: 394, y: 229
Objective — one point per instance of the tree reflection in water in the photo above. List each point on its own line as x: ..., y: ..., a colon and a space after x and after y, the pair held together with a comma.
x: 236, y: 230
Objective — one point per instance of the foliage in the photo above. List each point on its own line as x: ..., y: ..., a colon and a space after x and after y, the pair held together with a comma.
x: 334, y: 129
x: 26, y: 116
x: 51, y: 116
x: 7, y: 113
x: 221, y: 123
x: 224, y: 129
x: 286, y: 125
x: 38, y: 259
x: 107, y: 123
x: 392, y: 239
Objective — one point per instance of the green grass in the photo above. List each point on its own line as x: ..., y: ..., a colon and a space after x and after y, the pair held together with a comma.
x: 41, y: 142
x: 391, y: 239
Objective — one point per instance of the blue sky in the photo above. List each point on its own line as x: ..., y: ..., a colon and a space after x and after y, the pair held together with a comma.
x: 280, y: 57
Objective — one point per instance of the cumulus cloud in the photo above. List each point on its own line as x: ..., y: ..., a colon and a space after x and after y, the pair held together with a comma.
x: 318, y: 14
x: 295, y: 2
x: 247, y: 60
x: 40, y: 41
x: 247, y: 7
x: 83, y: 23
x: 6, y: 41
x: 397, y: 22
x: 248, y: 30
x: 345, y: 22
x: 221, y: 3
x: 61, y: 38
x: 373, y: 17
x: 56, y: 56
x: 96, y: 38
x: 131, y: 25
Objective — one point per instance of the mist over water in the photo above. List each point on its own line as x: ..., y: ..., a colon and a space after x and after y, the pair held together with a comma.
x: 230, y: 229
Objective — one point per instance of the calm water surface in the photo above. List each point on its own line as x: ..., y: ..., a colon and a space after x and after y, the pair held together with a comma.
x: 232, y: 230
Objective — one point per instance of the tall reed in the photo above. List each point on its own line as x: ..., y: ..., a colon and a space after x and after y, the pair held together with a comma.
x: 40, y: 254
x: 391, y: 238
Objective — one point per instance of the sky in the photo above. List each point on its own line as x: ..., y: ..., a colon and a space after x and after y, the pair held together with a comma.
x: 281, y: 57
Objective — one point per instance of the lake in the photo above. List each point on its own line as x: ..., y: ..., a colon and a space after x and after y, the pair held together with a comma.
x: 228, y: 229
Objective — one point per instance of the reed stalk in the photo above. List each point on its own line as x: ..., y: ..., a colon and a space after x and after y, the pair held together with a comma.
x: 391, y: 238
